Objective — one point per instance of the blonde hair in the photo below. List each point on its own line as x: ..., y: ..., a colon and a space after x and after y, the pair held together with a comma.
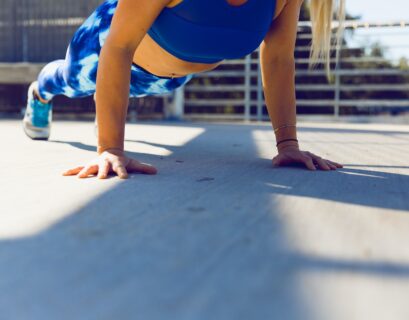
x: 322, y: 14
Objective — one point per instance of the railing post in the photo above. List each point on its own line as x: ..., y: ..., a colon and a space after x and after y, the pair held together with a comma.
x: 132, y: 116
x: 26, y: 15
x: 175, y: 109
x: 247, y: 87
x: 15, y: 32
x: 259, y: 91
x: 337, y: 93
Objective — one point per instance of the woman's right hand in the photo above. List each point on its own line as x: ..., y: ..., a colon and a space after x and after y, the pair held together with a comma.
x: 111, y: 160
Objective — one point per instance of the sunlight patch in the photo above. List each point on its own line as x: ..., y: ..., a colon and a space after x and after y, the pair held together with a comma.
x: 36, y: 217
x: 265, y: 143
x: 362, y: 174
x: 162, y: 136
x: 278, y: 186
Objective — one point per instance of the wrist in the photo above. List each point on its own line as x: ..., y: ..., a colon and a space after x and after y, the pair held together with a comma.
x: 287, y: 144
x: 285, y: 133
x: 288, y: 147
x: 114, y: 150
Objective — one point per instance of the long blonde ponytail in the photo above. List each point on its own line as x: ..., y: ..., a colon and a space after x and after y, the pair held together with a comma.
x: 322, y: 14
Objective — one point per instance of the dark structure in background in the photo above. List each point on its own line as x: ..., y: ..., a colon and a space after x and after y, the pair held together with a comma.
x: 39, y: 31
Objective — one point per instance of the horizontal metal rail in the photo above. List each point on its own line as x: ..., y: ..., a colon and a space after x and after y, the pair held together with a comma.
x: 311, y: 82
x: 302, y: 102
x: 304, y: 87
x: 342, y: 72
x: 247, y: 95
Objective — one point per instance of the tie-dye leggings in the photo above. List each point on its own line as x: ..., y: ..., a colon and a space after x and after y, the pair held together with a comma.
x: 75, y: 76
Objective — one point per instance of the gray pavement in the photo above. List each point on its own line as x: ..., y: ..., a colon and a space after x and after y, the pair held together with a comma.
x: 217, y: 234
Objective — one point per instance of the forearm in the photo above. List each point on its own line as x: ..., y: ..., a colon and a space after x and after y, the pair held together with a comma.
x: 112, y: 94
x: 279, y: 92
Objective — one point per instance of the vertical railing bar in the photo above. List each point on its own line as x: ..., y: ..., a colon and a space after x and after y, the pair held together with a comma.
x: 247, y: 88
x: 14, y: 31
x: 259, y: 91
x: 337, y: 93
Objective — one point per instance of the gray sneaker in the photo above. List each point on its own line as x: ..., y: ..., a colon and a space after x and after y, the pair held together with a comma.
x: 38, y: 115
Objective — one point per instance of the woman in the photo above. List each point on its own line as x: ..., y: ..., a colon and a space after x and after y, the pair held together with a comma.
x: 164, y: 43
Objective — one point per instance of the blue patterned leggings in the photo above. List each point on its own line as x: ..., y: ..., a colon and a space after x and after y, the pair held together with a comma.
x: 75, y: 76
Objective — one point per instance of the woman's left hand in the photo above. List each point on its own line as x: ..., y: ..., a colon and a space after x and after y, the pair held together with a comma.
x: 293, y: 155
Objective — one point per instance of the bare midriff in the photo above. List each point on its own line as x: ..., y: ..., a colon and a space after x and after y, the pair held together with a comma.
x: 153, y: 58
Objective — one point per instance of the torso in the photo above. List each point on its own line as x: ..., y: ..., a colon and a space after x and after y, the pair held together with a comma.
x: 152, y: 57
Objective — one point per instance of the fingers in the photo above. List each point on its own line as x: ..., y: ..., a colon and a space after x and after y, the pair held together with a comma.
x: 309, y: 163
x: 310, y: 160
x: 73, y: 172
x: 87, y: 171
x: 324, y: 164
x: 104, y: 169
x: 281, y: 160
x: 336, y: 164
x: 120, y: 170
x: 136, y: 166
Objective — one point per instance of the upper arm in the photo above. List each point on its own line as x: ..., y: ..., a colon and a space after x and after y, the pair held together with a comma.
x: 132, y: 20
x: 280, y: 39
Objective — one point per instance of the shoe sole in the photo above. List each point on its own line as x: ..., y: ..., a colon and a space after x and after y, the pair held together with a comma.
x: 36, y: 134
x: 32, y: 132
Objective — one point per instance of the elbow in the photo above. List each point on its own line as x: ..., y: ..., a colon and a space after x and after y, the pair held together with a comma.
x: 112, y: 49
x: 126, y: 48
x: 276, y: 56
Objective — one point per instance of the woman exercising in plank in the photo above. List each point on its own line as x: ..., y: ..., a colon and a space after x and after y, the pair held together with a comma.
x: 148, y: 47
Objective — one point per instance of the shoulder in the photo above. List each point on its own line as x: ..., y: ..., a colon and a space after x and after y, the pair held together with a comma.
x: 282, y: 4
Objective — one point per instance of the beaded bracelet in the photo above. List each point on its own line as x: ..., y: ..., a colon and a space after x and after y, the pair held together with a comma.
x: 285, y: 140
x: 285, y: 126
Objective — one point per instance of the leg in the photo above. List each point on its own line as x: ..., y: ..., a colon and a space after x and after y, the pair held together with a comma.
x: 75, y: 76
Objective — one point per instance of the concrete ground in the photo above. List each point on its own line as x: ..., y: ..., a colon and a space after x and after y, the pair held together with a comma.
x: 217, y: 234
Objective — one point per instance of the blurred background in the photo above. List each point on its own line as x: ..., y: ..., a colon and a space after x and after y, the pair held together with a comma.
x: 370, y: 82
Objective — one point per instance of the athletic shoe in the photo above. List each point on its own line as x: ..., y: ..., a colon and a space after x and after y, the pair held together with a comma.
x: 38, y: 115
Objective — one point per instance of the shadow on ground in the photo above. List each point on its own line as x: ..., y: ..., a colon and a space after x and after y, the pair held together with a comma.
x: 205, y: 239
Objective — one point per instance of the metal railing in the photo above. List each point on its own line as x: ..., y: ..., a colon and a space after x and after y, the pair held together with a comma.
x: 360, y: 82
x: 38, y: 31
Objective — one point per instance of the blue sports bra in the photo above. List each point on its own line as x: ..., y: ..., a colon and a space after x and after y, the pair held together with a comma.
x: 208, y: 31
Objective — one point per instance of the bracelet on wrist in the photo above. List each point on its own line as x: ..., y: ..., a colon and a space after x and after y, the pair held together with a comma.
x: 284, y: 126
x: 285, y: 140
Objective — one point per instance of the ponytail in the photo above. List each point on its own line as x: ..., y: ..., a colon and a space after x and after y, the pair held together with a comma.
x: 322, y: 14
